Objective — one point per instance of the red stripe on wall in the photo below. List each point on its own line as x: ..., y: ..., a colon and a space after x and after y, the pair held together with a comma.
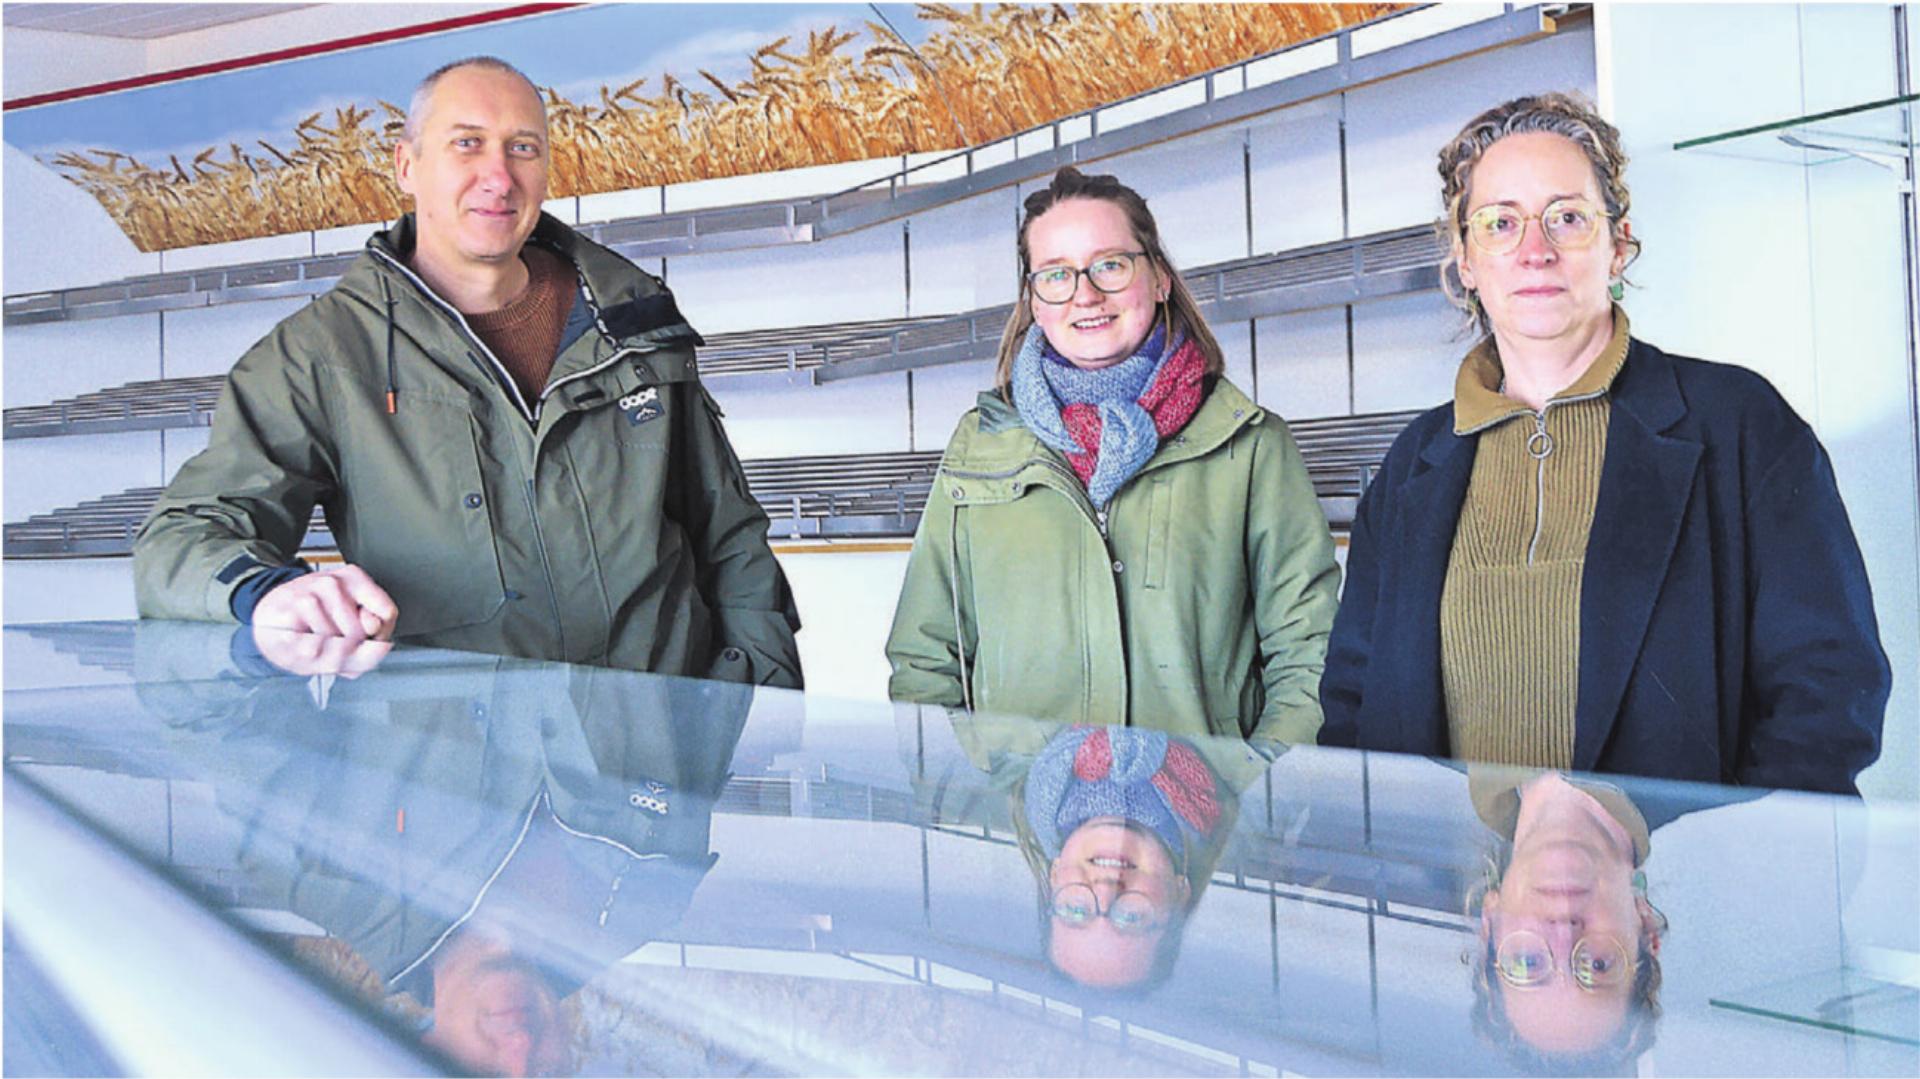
x: 295, y: 53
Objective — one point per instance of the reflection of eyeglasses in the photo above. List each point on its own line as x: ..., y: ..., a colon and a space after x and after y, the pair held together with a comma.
x: 1526, y: 961
x: 1130, y: 912
x: 1569, y: 224
x: 1108, y: 273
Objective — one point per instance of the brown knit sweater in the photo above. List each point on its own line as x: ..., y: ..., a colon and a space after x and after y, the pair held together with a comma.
x: 525, y: 334
x: 1510, y: 610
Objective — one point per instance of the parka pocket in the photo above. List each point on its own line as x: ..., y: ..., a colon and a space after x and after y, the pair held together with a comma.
x: 418, y: 513
x: 1159, y: 527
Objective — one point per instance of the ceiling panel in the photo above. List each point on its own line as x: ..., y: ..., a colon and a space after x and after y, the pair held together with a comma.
x: 142, y: 21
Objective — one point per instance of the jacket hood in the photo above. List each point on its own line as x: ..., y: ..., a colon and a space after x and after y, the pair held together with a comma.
x: 628, y: 306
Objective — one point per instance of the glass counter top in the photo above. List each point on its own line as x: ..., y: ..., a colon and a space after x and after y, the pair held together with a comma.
x: 1877, y: 130
x: 514, y: 867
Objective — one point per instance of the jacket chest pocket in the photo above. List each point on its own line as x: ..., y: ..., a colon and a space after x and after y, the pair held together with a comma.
x: 1159, y: 526
x: 421, y: 516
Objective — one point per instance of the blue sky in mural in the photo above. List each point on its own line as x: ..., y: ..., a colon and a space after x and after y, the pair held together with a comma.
x: 576, y: 51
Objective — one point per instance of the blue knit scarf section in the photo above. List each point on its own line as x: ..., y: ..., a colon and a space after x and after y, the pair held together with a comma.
x: 1044, y: 383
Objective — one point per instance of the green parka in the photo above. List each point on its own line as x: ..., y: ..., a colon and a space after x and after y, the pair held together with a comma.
x: 606, y: 522
x: 1199, y: 603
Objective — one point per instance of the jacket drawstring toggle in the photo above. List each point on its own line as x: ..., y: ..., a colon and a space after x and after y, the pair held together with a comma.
x: 393, y: 392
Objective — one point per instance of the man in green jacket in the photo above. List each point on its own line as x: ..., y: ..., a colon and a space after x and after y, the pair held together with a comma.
x: 504, y: 425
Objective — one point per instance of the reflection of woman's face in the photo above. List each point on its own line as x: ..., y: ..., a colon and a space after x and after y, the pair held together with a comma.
x: 1093, y: 329
x: 1571, y: 878
x: 1110, y: 858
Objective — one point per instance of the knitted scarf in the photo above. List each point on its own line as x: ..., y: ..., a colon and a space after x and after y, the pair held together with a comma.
x: 1108, y: 422
x: 1137, y: 775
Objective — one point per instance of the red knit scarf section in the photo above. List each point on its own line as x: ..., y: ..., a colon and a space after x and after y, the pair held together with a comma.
x: 1172, y: 399
x: 1188, y: 785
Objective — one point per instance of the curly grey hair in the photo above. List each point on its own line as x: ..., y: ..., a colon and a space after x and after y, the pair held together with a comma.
x: 1566, y: 115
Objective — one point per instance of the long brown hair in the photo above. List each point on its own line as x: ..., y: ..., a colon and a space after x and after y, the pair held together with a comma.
x: 1180, y: 308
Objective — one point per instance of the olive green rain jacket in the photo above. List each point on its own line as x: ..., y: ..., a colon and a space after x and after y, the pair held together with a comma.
x: 1199, y: 603
x: 606, y: 522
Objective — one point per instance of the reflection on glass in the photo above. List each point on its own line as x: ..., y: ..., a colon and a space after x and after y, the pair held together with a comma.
x: 514, y: 863
x: 1567, y: 975
x: 1121, y: 827
x: 476, y: 848
x: 494, y: 1010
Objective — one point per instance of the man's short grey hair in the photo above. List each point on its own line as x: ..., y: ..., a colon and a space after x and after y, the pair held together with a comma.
x: 423, y: 93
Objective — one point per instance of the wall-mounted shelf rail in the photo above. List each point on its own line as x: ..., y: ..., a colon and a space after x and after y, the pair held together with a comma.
x: 1384, y: 264
x: 1346, y: 271
x: 851, y: 495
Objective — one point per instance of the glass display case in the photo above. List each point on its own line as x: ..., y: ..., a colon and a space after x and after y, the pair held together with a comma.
x: 240, y: 852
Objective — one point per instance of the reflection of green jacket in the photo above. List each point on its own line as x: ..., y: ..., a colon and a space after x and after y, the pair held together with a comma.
x: 1203, y: 609
x: 383, y: 814
x: 615, y: 530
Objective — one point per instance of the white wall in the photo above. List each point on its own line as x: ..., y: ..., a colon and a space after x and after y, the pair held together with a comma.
x: 1795, y: 272
x: 40, y: 61
x: 57, y: 236
x: 846, y: 606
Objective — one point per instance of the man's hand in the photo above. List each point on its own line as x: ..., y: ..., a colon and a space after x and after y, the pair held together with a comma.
x: 338, y: 602
x: 311, y: 653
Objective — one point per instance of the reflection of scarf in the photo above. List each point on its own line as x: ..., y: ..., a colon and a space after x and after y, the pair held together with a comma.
x: 1108, y: 422
x: 1138, y: 775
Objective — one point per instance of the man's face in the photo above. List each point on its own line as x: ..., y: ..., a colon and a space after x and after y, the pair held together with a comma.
x: 494, y: 1013
x: 478, y: 172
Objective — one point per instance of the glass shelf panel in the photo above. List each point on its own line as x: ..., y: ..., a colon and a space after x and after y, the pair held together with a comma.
x: 1843, y: 999
x: 1880, y: 130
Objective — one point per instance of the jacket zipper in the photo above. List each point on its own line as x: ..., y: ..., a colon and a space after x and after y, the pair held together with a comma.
x: 499, y: 370
x: 526, y: 824
x: 593, y: 305
x: 621, y: 354
x: 1540, y: 466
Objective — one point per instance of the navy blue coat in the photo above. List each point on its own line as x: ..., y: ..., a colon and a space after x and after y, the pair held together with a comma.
x: 1727, y: 632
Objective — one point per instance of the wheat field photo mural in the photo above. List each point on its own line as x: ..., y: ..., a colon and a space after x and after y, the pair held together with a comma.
x: 728, y: 90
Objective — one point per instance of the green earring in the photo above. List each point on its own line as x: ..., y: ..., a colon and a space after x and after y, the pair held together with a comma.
x: 1617, y: 290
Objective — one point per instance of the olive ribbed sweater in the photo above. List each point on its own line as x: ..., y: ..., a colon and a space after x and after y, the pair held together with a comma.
x: 1510, y: 610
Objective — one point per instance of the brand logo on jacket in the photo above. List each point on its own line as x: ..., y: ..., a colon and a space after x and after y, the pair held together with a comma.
x: 642, y: 405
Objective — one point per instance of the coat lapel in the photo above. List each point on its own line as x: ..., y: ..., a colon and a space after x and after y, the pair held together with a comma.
x: 1432, y: 496
x: 1645, y: 485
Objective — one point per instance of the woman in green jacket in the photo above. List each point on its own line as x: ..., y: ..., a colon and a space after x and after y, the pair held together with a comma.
x: 1117, y: 533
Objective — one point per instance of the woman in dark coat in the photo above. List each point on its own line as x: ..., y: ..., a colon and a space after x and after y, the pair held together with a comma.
x: 1599, y: 556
